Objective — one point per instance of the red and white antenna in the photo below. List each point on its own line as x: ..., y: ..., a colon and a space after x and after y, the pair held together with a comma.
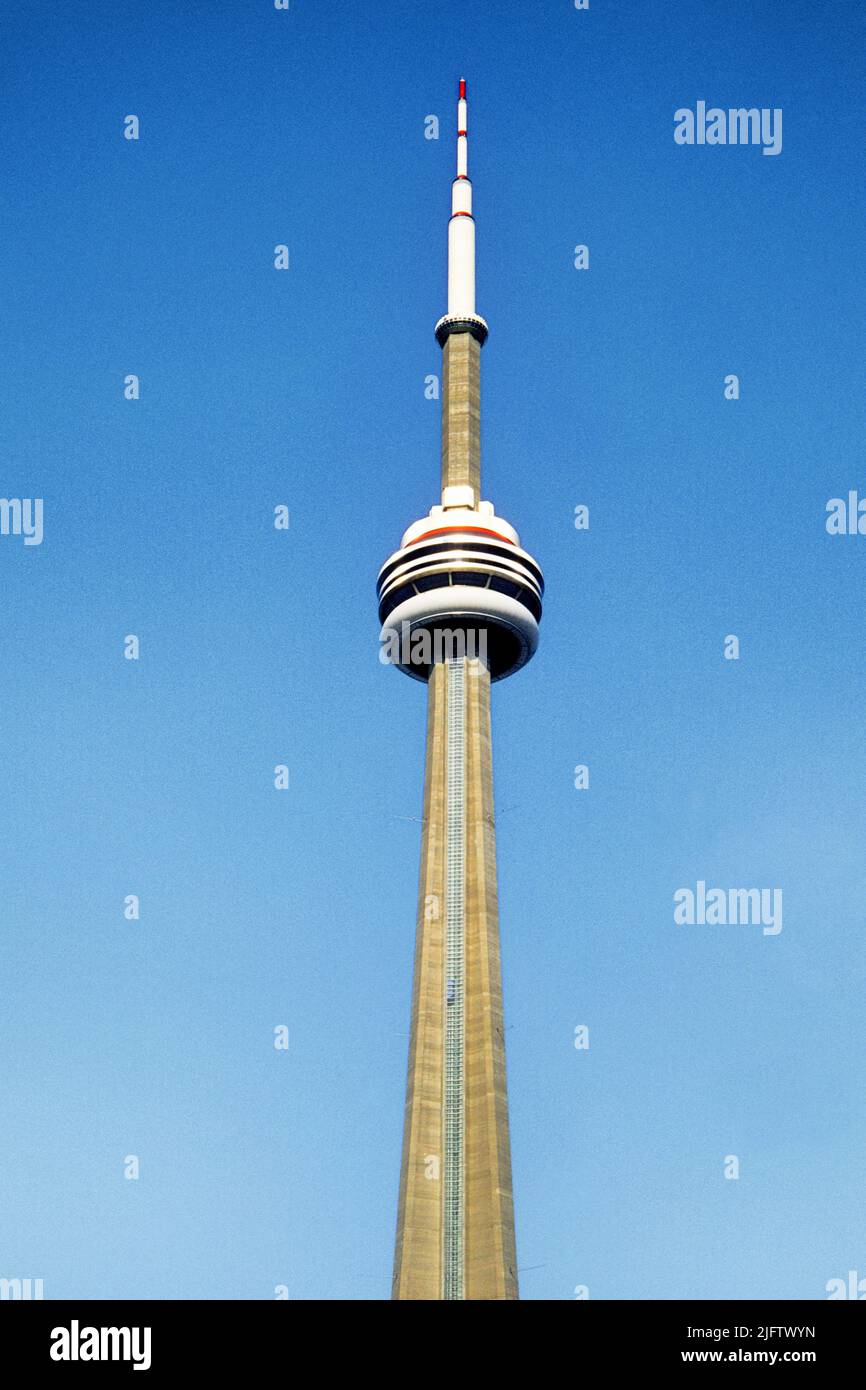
x: 461, y: 316
x: 461, y: 228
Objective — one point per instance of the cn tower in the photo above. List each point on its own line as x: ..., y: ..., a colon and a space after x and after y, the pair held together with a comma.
x: 459, y: 604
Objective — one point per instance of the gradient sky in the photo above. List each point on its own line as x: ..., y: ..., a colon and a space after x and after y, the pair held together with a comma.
x: 306, y: 387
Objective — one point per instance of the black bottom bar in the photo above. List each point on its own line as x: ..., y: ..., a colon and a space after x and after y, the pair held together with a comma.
x: 221, y: 1338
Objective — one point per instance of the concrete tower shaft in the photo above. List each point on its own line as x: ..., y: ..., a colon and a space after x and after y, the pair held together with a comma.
x: 485, y: 1249
x: 461, y: 413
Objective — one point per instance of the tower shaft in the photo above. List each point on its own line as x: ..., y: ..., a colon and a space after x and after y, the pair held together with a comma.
x: 461, y: 412
x: 455, y: 1227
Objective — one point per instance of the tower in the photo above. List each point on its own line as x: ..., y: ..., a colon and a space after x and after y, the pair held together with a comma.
x: 459, y: 605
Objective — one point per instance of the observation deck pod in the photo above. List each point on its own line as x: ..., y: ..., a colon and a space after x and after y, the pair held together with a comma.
x: 460, y: 571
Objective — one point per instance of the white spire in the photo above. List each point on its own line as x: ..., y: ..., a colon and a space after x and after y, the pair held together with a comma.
x: 461, y: 228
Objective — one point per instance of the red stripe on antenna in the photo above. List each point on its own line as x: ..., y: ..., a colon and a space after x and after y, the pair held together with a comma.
x: 463, y: 89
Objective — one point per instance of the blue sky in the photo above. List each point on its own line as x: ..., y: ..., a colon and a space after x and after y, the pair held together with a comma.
x: 306, y: 388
